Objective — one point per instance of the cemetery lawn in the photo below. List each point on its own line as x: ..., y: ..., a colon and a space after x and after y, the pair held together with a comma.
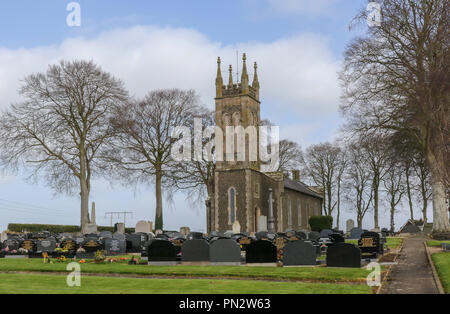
x: 392, y: 242
x: 314, y: 274
x: 56, y: 284
x: 442, y: 263
x: 436, y: 243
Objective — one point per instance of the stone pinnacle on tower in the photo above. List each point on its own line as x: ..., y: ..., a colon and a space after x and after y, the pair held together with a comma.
x: 219, y: 80
x: 255, y: 84
x: 244, y: 77
x: 230, y: 79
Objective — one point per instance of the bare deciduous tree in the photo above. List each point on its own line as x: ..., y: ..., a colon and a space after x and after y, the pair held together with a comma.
x: 62, y: 126
x: 394, y: 184
x: 141, y: 151
x: 395, y: 79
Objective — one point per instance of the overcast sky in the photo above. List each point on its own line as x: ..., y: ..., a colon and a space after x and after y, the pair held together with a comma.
x: 298, y: 45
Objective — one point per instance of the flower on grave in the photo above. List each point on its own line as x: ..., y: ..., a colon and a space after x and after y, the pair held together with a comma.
x: 123, y: 259
x: 23, y: 251
x: 100, y: 256
x: 6, y: 249
x: 81, y: 250
x: 62, y: 259
x: 82, y: 261
x: 14, y: 252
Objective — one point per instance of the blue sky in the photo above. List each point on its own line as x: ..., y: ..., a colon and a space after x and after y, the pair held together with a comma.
x: 160, y: 44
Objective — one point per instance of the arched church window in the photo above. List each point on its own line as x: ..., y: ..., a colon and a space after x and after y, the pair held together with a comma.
x: 236, y: 119
x: 226, y: 119
x: 232, y: 204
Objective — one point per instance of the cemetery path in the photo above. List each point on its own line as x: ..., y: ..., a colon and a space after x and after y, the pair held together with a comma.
x: 412, y: 274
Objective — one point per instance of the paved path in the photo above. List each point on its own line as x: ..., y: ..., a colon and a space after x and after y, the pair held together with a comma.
x: 412, y: 274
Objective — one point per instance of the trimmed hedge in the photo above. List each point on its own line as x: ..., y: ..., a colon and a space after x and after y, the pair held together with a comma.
x: 56, y: 228
x: 318, y: 223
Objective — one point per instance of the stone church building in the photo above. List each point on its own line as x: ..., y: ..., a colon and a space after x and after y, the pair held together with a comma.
x: 245, y: 198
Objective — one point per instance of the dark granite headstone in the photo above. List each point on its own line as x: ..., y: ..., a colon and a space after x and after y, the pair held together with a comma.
x: 261, y: 251
x: 161, y: 251
x: 262, y: 235
x: 325, y: 233
x: 411, y: 228
x: 301, y: 235
x: 115, y: 247
x: 119, y: 236
x: 225, y: 251
x: 12, y: 244
x: 29, y: 245
x: 298, y: 253
x: 69, y: 244
x: 314, y: 235
x: 343, y: 255
x: 48, y: 245
x: 105, y: 234
x: 134, y: 243
x: 91, y: 245
x: 356, y: 233
x: 336, y: 238
x: 195, y: 236
x: 195, y: 251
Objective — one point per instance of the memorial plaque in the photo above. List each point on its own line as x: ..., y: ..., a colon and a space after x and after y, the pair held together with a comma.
x: 12, y: 244
x: 69, y: 244
x: 356, y: 233
x: 29, y: 245
x: 91, y: 246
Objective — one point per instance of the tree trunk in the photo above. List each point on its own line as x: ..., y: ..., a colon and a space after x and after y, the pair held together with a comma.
x: 158, y: 190
x: 338, y: 205
x: 408, y: 191
x: 440, y: 211
x: 84, y: 205
x: 375, y: 198
x: 392, y: 217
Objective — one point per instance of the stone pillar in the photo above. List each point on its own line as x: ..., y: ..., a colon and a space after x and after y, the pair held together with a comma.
x: 93, y: 214
x: 270, y: 220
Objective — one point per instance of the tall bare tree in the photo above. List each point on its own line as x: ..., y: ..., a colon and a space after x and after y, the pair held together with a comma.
x: 358, y: 186
x: 422, y: 185
x: 141, y: 151
x: 395, y: 79
x: 321, y: 165
x: 62, y: 126
x: 393, y: 181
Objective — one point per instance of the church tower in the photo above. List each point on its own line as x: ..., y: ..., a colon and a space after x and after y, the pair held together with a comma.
x: 238, y: 105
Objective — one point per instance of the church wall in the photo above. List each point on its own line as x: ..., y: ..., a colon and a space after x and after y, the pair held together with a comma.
x: 310, y: 206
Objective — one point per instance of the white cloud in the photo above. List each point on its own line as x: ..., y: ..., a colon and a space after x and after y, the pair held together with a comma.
x: 297, y: 74
x: 317, y: 7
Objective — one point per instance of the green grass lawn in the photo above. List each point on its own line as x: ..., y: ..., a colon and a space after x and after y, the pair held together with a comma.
x: 56, y: 284
x: 442, y: 263
x: 436, y: 243
x: 282, y: 273
x: 391, y: 242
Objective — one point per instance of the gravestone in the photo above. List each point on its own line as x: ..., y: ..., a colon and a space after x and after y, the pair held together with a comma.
x: 314, y: 235
x: 350, y: 224
x: 411, y: 228
x: 79, y: 240
x: 262, y: 223
x: 91, y: 228
x: 343, y: 255
x: 356, y: 233
x: 115, y: 246
x: 29, y: 245
x: 48, y: 245
x: 325, y: 233
x: 301, y: 235
x: 195, y: 251
x: 261, y: 251
x: 12, y: 244
x: 336, y: 238
x: 185, y: 231
x: 262, y: 235
x: 119, y: 236
x: 91, y: 245
x: 119, y: 227
x: 225, y: 252
x: 134, y: 243
x: 143, y: 226
x: 195, y: 236
x: 69, y: 245
x: 445, y: 247
x: 105, y: 234
x: 161, y: 252
x: 299, y: 253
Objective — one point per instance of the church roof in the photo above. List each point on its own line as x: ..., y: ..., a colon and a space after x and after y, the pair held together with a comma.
x: 299, y: 187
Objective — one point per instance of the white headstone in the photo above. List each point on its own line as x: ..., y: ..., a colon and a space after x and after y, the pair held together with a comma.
x: 91, y: 228
x: 262, y: 223
x: 350, y: 224
x: 143, y: 226
x: 121, y: 227
x: 236, y: 227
